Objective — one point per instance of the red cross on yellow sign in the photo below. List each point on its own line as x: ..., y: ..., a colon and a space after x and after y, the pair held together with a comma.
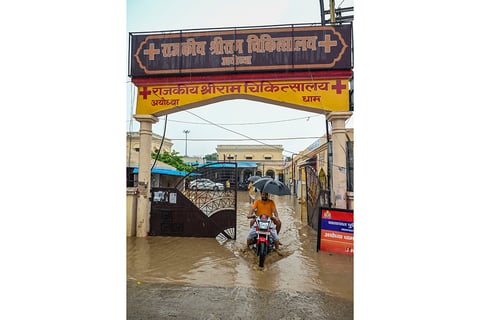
x: 311, y: 95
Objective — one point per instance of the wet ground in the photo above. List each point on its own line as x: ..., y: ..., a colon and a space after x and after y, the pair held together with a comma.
x: 201, y: 278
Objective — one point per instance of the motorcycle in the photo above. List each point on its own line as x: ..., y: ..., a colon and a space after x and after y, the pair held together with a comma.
x: 263, y: 241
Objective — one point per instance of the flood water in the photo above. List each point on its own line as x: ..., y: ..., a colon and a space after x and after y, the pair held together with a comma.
x: 210, y: 262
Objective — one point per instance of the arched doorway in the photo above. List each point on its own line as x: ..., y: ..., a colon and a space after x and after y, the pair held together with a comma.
x: 270, y: 173
x: 245, y: 174
x: 323, y: 179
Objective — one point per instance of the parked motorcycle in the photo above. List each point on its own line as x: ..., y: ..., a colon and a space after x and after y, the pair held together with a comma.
x: 263, y: 241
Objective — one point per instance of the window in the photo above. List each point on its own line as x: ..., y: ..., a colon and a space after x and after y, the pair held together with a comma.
x: 130, y: 178
x: 267, y: 156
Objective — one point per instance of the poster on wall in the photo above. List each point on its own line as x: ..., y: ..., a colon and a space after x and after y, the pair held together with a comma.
x: 336, y: 231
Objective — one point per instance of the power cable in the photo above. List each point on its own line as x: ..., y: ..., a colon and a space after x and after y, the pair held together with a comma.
x: 241, y: 134
x: 130, y: 125
x: 249, y: 138
x: 233, y: 139
x: 248, y: 123
x: 161, y: 143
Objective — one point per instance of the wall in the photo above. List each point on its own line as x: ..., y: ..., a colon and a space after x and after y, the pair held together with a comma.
x: 131, y: 211
x: 257, y: 152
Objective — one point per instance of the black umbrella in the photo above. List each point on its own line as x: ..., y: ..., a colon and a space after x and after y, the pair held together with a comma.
x: 272, y: 186
x: 260, y: 183
x: 253, y: 178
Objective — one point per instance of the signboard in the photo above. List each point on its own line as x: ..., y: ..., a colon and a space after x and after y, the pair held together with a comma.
x: 331, y: 95
x: 240, y: 50
x: 336, y: 231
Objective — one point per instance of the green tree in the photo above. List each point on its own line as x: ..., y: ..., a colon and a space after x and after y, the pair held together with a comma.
x: 174, y: 160
x: 211, y: 157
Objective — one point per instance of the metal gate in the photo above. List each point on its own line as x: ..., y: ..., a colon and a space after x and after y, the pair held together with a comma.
x: 317, y: 196
x: 202, y: 204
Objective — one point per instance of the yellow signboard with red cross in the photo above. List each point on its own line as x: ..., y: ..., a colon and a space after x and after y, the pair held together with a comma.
x: 311, y: 95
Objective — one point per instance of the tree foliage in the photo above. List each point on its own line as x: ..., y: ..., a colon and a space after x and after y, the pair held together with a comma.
x: 174, y: 160
x: 211, y: 157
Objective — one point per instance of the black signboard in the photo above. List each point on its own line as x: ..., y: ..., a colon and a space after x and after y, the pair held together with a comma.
x: 241, y: 50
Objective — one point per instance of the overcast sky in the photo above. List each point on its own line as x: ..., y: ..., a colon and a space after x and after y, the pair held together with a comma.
x: 234, y: 121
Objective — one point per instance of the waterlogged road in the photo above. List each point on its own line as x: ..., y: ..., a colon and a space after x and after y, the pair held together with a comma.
x: 201, y: 278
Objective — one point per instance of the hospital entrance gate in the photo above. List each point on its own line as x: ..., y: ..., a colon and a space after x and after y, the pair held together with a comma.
x: 307, y: 67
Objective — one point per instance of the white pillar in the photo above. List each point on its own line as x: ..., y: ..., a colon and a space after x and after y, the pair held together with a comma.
x: 339, y: 152
x: 144, y: 173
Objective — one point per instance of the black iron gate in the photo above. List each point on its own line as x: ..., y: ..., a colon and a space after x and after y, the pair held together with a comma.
x: 317, y: 196
x: 203, y: 204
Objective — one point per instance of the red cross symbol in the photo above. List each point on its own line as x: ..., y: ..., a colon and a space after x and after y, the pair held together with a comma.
x: 147, y: 92
x: 338, y: 86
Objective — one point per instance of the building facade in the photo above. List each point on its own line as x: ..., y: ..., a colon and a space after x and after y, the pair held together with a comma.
x: 319, y: 156
x: 133, y: 146
x: 254, y: 160
x: 133, y: 159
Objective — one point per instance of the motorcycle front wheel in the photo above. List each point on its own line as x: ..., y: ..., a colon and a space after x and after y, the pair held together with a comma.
x: 262, y: 253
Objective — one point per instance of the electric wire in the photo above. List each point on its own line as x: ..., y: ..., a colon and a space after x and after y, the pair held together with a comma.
x: 248, y: 123
x: 233, y: 139
x: 302, y: 157
x: 132, y: 93
x: 233, y: 131
x: 161, y: 143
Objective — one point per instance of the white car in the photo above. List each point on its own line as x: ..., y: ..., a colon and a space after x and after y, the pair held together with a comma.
x: 205, y: 184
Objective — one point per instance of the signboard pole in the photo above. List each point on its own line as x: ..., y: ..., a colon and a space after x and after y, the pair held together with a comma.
x: 319, y: 235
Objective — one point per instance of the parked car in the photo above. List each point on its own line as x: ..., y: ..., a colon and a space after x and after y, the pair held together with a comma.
x: 243, y: 185
x: 205, y: 184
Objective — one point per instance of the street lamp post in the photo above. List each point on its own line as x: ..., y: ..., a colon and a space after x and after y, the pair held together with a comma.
x: 186, y: 134
x: 293, y: 173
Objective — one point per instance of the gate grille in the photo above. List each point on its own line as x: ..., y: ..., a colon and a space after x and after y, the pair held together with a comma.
x: 202, y: 204
x: 316, y: 196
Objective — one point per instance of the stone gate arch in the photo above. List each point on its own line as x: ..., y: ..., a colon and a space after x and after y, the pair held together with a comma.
x: 304, y: 67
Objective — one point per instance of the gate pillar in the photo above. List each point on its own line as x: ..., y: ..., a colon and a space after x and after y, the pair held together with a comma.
x: 144, y: 173
x: 339, y: 169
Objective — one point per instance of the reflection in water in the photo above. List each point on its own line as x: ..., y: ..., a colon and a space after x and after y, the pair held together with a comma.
x: 205, y: 261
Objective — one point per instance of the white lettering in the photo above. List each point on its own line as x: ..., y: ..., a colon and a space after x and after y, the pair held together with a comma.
x: 338, y: 223
x: 333, y: 235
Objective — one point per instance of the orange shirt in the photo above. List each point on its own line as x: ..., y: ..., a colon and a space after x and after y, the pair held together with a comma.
x: 264, y: 208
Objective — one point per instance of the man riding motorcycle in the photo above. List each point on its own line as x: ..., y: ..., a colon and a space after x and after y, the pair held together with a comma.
x: 265, y: 206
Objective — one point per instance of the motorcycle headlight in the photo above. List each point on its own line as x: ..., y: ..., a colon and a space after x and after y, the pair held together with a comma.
x: 263, y: 225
